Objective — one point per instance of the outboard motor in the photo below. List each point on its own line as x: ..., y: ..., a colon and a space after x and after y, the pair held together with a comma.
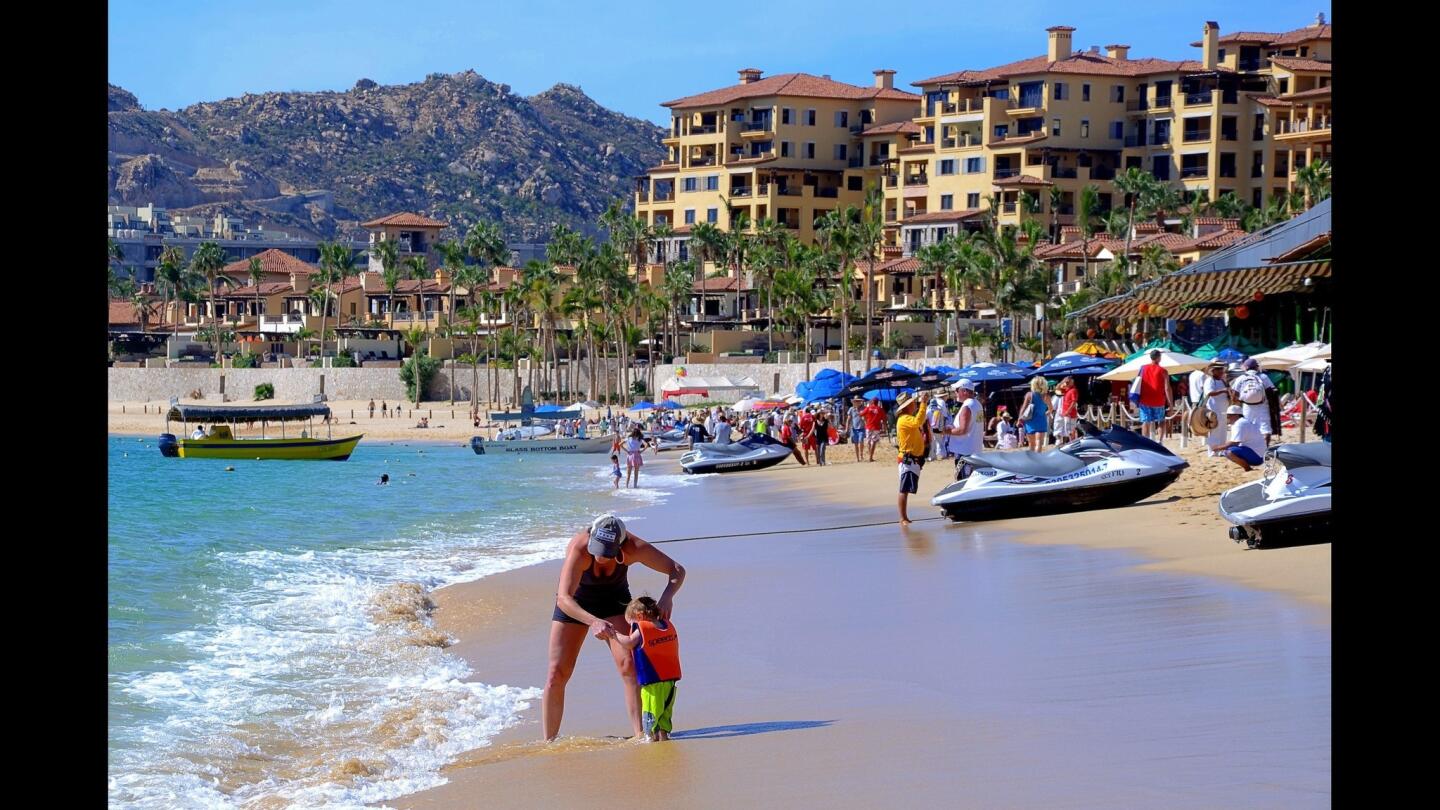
x: 477, y: 443
x: 169, y: 447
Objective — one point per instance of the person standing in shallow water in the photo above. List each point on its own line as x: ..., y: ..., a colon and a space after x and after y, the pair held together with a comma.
x: 591, y: 597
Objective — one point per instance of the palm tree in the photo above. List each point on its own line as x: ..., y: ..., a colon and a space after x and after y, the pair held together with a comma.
x: 869, y: 230
x: 417, y: 269
x: 1057, y: 200
x: 170, y: 277
x: 1137, y: 184
x: 711, y: 245
x: 342, y: 265
x: 325, y: 276
x: 208, y: 260
x: 677, y: 287
x: 1085, y: 209
x: 1314, y: 180
x: 256, y: 271
x: 116, y: 255
x: 1231, y: 207
x: 934, y: 260
x: 838, y: 237
x: 415, y: 336
x: 388, y: 252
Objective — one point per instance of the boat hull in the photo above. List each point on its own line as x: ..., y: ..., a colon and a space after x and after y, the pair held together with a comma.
x: 595, y: 444
x: 265, y: 449
x: 1060, y: 501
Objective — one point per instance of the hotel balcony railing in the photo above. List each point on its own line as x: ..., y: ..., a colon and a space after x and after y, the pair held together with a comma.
x: 1007, y: 207
x: 892, y: 180
x: 758, y: 126
x: 1066, y: 287
x: 1064, y: 172
x: 705, y: 129
x: 856, y: 129
x: 891, y: 216
x: 740, y: 191
x: 788, y: 191
x: 878, y: 160
x: 1137, y: 105
x: 917, y: 179
x: 1134, y: 140
x: 1227, y: 171
x: 1160, y: 140
x: 1230, y: 135
x: 833, y: 191
x: 1162, y: 102
x: 1287, y: 127
x: 1194, y: 171
x: 949, y: 107
x: 1102, y: 172
x: 1003, y: 173
x: 641, y: 197
x: 1192, y: 136
x: 1026, y: 102
x: 947, y: 143
x: 663, y: 196
x: 1248, y: 64
x: 1196, y: 99
x: 708, y: 160
x: 856, y: 162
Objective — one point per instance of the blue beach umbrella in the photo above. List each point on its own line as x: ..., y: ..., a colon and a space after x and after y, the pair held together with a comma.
x: 643, y: 405
x: 991, y: 372
x: 669, y: 405
x: 1082, y: 364
x: 886, y: 394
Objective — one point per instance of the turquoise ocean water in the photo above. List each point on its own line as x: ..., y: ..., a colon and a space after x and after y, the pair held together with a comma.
x: 270, y: 643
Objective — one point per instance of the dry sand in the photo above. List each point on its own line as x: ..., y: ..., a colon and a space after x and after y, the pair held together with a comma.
x: 940, y: 665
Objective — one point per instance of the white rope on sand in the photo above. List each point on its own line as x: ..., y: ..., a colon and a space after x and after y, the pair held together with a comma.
x: 791, y: 531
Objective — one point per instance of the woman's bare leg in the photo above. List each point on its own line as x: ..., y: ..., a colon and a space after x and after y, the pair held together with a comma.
x: 565, y: 642
x: 625, y: 665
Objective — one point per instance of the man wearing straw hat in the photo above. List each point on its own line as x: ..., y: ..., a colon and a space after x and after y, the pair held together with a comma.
x: 911, y: 433
x: 1246, y: 446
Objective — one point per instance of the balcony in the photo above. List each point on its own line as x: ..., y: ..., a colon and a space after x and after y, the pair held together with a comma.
x: 1001, y: 174
x: 1064, y: 172
x: 1065, y: 287
x: 1137, y: 105
x: 1192, y: 172
x: 1008, y: 207
x: 1161, y: 140
x: 1134, y: 140
x: 1026, y: 103
x: 891, y: 216
x: 917, y: 179
x: 1163, y: 103
x: 707, y: 160
x: 1229, y: 135
x: 947, y: 143
x: 1319, y: 125
x: 903, y: 301
x: 891, y: 180
x: 831, y: 192
x: 740, y: 191
x: 789, y: 191
x: 663, y: 196
x: 1102, y: 172
x: 641, y: 197
x: 705, y: 129
x: 856, y: 162
x: 1196, y: 136
x: 756, y: 128
x: 1198, y: 99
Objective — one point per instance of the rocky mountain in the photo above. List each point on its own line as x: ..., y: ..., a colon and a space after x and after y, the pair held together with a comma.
x: 457, y: 147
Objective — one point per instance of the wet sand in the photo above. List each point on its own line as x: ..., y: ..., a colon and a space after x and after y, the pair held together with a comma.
x: 1008, y: 664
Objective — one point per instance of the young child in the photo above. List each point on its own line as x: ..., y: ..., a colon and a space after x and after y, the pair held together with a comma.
x: 657, y: 665
x: 615, y: 468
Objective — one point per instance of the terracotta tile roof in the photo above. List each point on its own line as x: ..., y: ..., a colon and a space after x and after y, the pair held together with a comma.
x: 1227, y: 222
x: 123, y: 313
x: 906, y: 127
x: 273, y: 261
x: 410, y: 286
x: 895, y: 267
x: 1301, y: 63
x: 789, y: 84
x: 1212, y: 241
x: 1017, y: 141
x: 723, y: 284
x: 266, y: 288
x: 1306, y: 34
x: 1021, y: 180
x: 1247, y: 37
x: 1147, y: 227
x: 1080, y: 62
x: 1318, y: 92
x: 406, y: 219
x: 941, y: 216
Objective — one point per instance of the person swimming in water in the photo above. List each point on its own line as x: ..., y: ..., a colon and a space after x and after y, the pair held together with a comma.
x: 384, y: 480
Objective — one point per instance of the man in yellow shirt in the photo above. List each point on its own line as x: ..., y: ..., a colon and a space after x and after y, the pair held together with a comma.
x: 912, y: 434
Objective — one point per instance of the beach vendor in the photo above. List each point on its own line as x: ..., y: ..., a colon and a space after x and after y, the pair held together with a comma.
x: 655, y: 644
x: 911, y: 433
x: 1215, y: 395
x: 592, y: 595
x: 1247, y: 445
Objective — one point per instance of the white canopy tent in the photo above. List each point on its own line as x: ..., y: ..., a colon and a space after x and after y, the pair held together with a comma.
x: 1282, y: 359
x: 1172, y: 362
x: 717, y: 389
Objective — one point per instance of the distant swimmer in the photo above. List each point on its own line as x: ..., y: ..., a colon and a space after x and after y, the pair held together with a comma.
x: 655, y: 645
x: 384, y: 480
x: 591, y: 598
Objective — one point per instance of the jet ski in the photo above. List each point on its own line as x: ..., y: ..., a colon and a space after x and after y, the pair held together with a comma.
x: 672, y: 439
x: 1292, y: 501
x: 1097, y: 471
x: 754, y: 452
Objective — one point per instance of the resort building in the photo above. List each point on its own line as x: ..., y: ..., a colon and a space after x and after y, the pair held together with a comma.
x: 1036, y: 131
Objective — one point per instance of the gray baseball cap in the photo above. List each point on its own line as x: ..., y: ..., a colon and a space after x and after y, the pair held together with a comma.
x: 606, y: 535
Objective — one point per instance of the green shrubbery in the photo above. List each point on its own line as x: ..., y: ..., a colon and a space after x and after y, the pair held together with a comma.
x: 265, y: 391
x: 246, y: 360
x: 428, y: 367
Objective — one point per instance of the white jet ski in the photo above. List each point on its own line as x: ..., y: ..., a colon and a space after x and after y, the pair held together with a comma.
x: 1101, y: 470
x: 673, y: 439
x: 1291, y: 503
x: 754, y: 452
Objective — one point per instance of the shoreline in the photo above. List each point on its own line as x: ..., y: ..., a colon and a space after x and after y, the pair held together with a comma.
x: 500, y: 623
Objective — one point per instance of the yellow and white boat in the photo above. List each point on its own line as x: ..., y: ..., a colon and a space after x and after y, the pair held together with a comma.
x: 220, y: 440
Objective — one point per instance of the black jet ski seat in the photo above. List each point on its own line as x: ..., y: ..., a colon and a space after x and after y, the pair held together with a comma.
x: 1043, y: 465
x: 1309, y: 454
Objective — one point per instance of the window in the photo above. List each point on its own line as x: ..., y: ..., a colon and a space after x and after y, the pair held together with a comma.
x: 855, y: 183
x: 1117, y: 130
x: 842, y: 119
x: 1222, y: 55
x: 1028, y: 126
x: 1084, y: 128
x: 1117, y: 93
x: 810, y: 149
x: 947, y: 202
x: 1160, y: 167
x: 974, y: 165
x: 1258, y: 133
x: 1032, y: 94
x: 1002, y: 131
x: 712, y: 182
x: 1255, y: 198
x: 1229, y: 128
x: 972, y: 200
x: 1282, y: 164
x: 712, y: 215
x: 1303, y: 51
x: 784, y: 149
x: 1055, y: 126
x: 785, y: 113
x: 1061, y: 91
x: 689, y: 216
x: 692, y: 184
x: 1284, y: 86
x: 809, y: 118
x: 1085, y: 92
x: 1257, y: 164
x: 947, y: 167
x: 839, y: 151
x: 1194, y: 166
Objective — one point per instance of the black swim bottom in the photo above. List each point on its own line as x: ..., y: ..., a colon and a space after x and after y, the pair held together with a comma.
x: 599, y: 603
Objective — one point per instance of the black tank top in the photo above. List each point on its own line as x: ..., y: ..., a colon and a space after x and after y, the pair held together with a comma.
x: 616, y: 580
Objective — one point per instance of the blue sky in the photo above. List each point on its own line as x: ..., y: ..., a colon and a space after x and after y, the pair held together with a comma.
x: 628, y: 56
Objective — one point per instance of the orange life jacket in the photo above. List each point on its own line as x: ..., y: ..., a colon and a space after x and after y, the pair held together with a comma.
x: 658, y: 656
